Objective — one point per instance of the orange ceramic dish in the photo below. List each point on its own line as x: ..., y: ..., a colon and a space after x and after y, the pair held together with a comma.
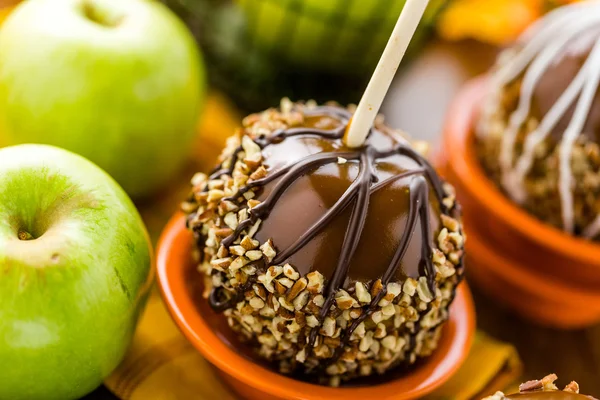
x: 209, y: 333
x: 540, y: 271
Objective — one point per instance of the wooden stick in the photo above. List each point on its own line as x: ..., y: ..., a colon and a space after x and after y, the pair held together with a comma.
x: 371, y: 101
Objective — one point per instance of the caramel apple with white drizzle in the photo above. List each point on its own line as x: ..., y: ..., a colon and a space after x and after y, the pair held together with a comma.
x: 332, y: 262
x: 538, y: 134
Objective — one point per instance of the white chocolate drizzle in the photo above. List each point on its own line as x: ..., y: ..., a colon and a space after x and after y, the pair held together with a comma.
x: 536, y: 52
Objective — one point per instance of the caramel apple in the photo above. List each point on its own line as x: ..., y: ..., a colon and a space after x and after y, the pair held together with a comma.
x: 539, y: 130
x: 331, y: 262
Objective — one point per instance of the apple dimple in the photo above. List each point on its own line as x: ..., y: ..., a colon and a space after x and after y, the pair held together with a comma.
x: 101, y: 15
x: 44, y: 214
x: 24, y: 235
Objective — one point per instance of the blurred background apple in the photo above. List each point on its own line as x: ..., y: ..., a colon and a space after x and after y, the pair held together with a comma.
x: 75, y: 262
x: 120, y: 82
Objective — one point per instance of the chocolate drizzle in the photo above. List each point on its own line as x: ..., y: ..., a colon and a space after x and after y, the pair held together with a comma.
x: 358, y: 194
x: 418, y: 198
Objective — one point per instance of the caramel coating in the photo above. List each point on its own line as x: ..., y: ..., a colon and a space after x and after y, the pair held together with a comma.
x: 555, y: 81
x: 548, y: 395
x: 312, y: 195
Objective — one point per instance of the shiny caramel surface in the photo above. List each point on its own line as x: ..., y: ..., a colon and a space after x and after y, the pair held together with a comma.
x: 548, y: 395
x: 315, y: 192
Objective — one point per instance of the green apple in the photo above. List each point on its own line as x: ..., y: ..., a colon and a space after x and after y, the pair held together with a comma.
x: 75, y: 270
x: 334, y: 35
x: 120, y: 82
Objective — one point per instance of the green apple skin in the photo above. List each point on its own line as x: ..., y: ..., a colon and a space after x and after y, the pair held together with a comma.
x: 120, y: 82
x: 75, y: 271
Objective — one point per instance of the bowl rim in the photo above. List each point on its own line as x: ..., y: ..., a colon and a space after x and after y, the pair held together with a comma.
x: 458, y: 139
x: 548, y: 288
x: 192, y: 324
x: 528, y: 307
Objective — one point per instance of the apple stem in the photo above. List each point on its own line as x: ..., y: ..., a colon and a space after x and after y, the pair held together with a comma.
x: 24, y: 235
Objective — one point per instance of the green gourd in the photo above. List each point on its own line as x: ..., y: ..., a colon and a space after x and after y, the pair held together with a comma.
x: 261, y: 50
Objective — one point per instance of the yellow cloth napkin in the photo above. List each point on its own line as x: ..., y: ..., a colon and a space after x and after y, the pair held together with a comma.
x: 162, y: 365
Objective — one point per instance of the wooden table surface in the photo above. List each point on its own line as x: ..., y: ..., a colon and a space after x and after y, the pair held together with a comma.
x: 417, y: 103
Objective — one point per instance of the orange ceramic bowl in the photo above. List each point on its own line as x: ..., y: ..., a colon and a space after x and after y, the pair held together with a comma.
x: 210, y: 334
x: 543, y: 273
